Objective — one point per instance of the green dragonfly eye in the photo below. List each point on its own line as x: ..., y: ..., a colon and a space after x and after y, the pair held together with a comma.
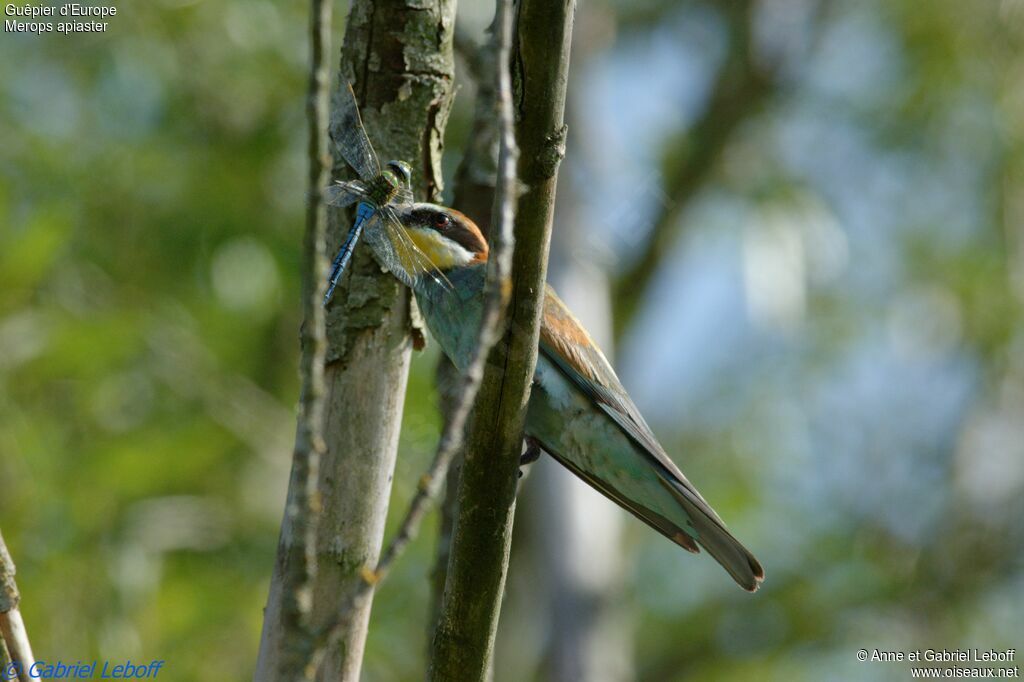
x: 402, y: 170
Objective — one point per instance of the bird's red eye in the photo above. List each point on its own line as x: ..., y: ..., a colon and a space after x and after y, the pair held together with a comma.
x: 441, y: 221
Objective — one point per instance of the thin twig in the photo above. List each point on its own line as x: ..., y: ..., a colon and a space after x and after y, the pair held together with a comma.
x: 473, y: 194
x: 463, y: 641
x: 495, y: 302
x: 12, y: 627
x: 5, y: 655
x: 303, y: 509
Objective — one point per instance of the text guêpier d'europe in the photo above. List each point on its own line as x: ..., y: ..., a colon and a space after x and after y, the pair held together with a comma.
x: 35, y: 13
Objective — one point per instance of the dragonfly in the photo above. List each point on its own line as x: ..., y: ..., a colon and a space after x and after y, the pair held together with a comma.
x: 380, y: 194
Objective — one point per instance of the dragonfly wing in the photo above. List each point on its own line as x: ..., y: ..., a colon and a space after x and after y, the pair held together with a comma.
x: 342, y: 194
x: 384, y: 237
x: 419, y: 262
x: 349, y: 135
x: 404, y: 196
x: 398, y: 252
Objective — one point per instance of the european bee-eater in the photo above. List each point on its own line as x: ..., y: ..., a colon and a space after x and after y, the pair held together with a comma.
x: 579, y: 413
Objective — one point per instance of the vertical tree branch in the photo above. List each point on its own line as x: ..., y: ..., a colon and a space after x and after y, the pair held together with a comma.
x: 475, y: 182
x: 398, y: 57
x: 12, y: 627
x: 303, y: 509
x: 299, y: 566
x: 464, y: 638
x: 5, y: 655
x: 476, y: 176
x: 447, y: 508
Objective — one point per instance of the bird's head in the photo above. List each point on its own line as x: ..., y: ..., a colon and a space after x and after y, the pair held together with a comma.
x: 445, y: 236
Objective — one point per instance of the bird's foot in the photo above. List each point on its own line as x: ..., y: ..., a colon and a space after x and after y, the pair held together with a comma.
x: 531, y: 455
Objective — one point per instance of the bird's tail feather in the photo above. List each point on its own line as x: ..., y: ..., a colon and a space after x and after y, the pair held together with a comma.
x: 712, y: 534
x: 714, y: 537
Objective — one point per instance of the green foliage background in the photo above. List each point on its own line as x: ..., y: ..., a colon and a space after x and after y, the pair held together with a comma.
x: 151, y: 195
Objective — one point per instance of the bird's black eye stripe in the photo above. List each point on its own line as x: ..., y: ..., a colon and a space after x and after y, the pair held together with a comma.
x: 435, y: 219
x: 451, y: 227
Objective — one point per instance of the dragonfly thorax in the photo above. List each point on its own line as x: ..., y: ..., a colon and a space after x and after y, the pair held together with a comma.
x: 382, y: 189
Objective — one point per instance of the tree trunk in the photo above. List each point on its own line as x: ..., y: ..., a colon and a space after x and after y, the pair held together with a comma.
x: 398, y: 57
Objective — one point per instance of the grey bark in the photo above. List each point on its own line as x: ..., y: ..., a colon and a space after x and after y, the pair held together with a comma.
x: 5, y: 655
x: 464, y: 639
x: 296, y: 648
x: 12, y: 627
x: 398, y: 57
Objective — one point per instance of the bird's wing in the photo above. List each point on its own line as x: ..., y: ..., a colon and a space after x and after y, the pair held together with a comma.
x: 566, y: 343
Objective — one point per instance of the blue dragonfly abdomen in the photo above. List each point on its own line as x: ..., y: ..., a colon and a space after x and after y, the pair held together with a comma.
x: 364, y: 211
